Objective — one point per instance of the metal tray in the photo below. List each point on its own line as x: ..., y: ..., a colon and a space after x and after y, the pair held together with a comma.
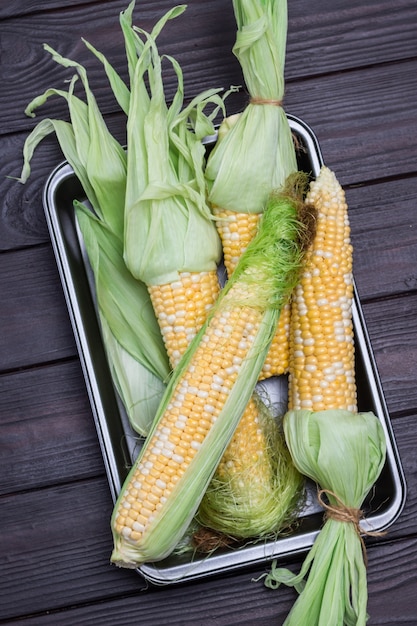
x: 120, y: 445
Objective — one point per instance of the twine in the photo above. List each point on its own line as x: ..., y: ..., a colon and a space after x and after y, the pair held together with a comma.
x: 257, y: 100
x: 351, y: 515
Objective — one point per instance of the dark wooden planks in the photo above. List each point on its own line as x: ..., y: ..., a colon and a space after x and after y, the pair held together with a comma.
x: 47, y: 432
x: 392, y: 326
x: 404, y: 429
x: 365, y: 120
x: 325, y: 37
x: 33, y: 315
x: 336, y: 37
x: 67, y: 530
x: 22, y: 216
x: 19, y: 8
x: 57, y: 553
x: 384, y: 236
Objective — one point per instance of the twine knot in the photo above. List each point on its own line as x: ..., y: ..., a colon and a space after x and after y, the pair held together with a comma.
x: 258, y: 100
x: 343, y: 513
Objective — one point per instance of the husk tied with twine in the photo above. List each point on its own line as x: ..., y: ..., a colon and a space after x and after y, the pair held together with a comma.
x: 343, y: 453
x: 255, y: 151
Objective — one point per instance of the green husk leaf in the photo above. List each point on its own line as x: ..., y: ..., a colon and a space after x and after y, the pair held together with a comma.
x: 122, y: 300
x: 344, y: 453
x: 168, y: 225
x: 133, y: 343
x: 104, y: 158
x: 140, y: 389
x: 257, y: 153
x: 119, y: 88
x: 96, y: 156
x: 134, y: 48
x: 260, y: 45
x: 66, y: 136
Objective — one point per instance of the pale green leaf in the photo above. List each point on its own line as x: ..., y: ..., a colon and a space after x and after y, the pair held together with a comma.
x: 168, y: 225
x: 140, y: 390
x: 344, y: 454
x: 122, y: 300
x: 257, y: 154
x: 119, y: 88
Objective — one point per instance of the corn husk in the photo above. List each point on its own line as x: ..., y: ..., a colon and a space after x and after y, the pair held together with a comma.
x: 344, y: 454
x: 168, y: 225
x: 132, y: 339
x: 134, y: 47
x: 257, y: 152
x: 131, y: 335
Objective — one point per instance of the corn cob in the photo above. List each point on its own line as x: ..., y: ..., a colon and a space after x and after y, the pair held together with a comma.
x: 256, y: 484
x: 166, y: 205
x: 256, y: 487
x: 322, y: 372
x: 182, y: 307
x: 236, y: 231
x: 342, y: 451
x: 206, y: 396
x: 255, y: 152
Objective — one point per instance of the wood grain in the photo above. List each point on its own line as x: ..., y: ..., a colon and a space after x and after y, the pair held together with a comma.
x: 46, y: 422
x: 336, y: 37
x: 350, y: 72
x: 384, y: 235
x: 392, y: 326
x: 363, y: 119
x: 32, y: 299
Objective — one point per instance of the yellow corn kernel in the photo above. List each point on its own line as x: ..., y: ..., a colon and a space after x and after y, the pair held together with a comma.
x: 277, y: 359
x: 322, y: 374
x: 181, y: 308
x: 236, y: 230
x: 238, y: 457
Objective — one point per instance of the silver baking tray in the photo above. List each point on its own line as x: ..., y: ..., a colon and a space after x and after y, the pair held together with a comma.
x: 120, y: 445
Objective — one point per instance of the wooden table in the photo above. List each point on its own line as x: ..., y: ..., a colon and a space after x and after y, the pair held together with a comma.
x: 351, y: 75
